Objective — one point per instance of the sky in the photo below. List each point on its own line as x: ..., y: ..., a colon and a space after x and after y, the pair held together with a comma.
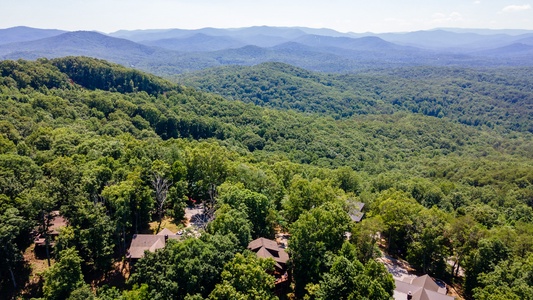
x: 357, y: 16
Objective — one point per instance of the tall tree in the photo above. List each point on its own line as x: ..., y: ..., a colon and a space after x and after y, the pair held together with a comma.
x: 430, y: 247
x: 64, y: 276
x: 12, y: 227
x: 258, y: 207
x: 246, y: 277
x: 304, y: 195
x: 207, y: 167
x: 160, y: 184
x: 315, y: 234
x: 232, y: 221
x: 192, y: 266
x: 349, y: 279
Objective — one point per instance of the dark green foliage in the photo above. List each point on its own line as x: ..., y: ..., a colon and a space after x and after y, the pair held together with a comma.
x: 100, y: 74
x: 13, y: 230
x: 91, y: 233
x: 430, y: 248
x: 489, y: 253
x: 17, y: 173
x: 188, y: 267
x: 511, y: 279
x: 27, y: 74
x: 474, y: 97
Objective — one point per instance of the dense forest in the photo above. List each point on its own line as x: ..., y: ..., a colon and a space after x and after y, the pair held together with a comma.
x: 449, y: 194
x: 490, y: 97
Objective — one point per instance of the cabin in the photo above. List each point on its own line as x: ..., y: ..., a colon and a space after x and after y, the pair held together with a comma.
x: 56, y: 222
x: 265, y: 248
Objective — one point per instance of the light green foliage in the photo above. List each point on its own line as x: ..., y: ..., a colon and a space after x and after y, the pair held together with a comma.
x: 207, y: 167
x: 64, y: 276
x: 259, y: 209
x: 304, y: 195
x: 259, y: 178
x: 232, y: 221
x: 17, y: 173
x: 137, y: 293
x: 130, y: 203
x: 315, y: 234
x: 349, y: 279
x: 348, y: 180
x: 365, y: 235
x: 246, y: 277
x: 82, y: 293
x: 464, y: 234
x: 397, y: 210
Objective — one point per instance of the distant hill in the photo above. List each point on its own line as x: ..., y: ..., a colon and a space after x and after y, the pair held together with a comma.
x: 487, y: 31
x: 528, y: 40
x: 364, y: 43
x: 197, y: 42
x: 488, y: 97
x: 456, y: 41
x: 513, y: 50
x: 85, y: 43
x: 237, y: 33
x: 23, y: 34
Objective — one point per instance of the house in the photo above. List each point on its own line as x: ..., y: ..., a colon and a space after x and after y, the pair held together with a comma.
x: 419, y: 288
x: 56, y: 222
x: 265, y: 248
x: 149, y: 242
x: 355, y: 211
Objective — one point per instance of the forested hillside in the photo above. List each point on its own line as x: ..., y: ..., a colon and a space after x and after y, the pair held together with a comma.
x: 491, y: 97
x: 91, y: 139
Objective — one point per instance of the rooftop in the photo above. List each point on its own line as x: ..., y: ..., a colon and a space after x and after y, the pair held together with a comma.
x: 265, y: 248
x: 149, y: 242
x: 421, y: 288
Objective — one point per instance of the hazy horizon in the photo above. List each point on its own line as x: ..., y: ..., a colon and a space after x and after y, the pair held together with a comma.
x: 341, y: 15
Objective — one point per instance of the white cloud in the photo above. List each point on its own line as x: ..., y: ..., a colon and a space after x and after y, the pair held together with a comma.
x: 477, y: 2
x: 516, y: 8
x: 443, y: 18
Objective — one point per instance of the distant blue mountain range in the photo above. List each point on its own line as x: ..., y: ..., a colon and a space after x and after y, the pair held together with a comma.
x: 173, y: 51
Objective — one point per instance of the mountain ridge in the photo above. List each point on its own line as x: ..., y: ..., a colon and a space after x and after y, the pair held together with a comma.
x: 174, y: 51
x: 24, y: 33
